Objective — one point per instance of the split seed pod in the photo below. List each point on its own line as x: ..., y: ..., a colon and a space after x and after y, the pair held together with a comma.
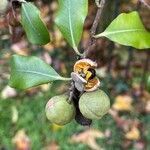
x: 59, y: 111
x: 94, y: 105
x: 86, y: 69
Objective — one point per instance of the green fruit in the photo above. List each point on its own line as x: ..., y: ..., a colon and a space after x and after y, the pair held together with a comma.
x: 59, y: 111
x: 94, y: 105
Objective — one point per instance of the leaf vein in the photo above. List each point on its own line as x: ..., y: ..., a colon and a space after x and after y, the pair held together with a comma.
x: 120, y: 31
x: 70, y: 24
x: 38, y: 73
x: 30, y: 21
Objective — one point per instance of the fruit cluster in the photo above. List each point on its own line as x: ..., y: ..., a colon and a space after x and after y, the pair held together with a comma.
x: 93, y: 103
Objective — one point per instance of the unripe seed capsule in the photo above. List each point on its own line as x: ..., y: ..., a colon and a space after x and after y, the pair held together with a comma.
x: 94, y: 105
x: 59, y: 111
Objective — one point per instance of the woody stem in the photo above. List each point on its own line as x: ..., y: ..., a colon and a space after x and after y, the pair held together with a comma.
x: 92, y: 40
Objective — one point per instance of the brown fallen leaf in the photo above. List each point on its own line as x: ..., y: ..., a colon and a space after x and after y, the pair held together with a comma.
x: 20, y: 48
x: 49, y: 47
x: 133, y: 134
x: 147, y: 107
x: 140, y: 145
x: 123, y: 103
x: 88, y: 137
x: 145, y: 97
x: 146, y: 3
x: 123, y: 123
x: 8, y: 92
x: 47, y: 58
x: 21, y: 141
x: 52, y: 146
x: 120, y: 121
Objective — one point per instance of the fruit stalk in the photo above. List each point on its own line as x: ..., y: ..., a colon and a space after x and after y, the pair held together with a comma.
x: 74, y: 97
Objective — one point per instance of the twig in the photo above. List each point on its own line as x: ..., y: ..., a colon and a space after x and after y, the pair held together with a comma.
x: 145, y: 3
x: 74, y: 94
x: 130, y: 49
x: 111, y: 46
x: 128, y: 65
x: 92, y: 40
x: 110, y: 56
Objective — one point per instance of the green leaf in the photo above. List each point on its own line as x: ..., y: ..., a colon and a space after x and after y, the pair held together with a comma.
x: 127, y: 29
x: 70, y: 19
x: 34, y: 27
x: 31, y: 71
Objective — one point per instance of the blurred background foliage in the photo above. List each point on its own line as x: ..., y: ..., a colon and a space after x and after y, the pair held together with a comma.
x: 123, y: 72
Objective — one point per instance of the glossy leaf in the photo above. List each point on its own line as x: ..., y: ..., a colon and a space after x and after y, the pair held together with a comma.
x: 35, y: 29
x: 31, y: 71
x: 127, y: 29
x: 70, y: 19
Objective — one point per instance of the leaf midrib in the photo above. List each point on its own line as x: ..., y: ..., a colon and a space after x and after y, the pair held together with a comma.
x: 105, y: 33
x: 30, y: 20
x: 70, y: 24
x: 38, y: 73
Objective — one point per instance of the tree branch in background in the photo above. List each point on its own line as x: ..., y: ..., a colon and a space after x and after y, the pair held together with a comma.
x: 146, y: 3
x: 130, y: 49
x: 146, y: 67
x: 74, y: 94
x: 92, y: 40
x: 128, y: 65
x: 111, y: 46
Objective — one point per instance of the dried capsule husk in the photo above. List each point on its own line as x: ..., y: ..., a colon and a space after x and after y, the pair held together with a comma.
x: 84, y: 64
x: 82, y: 68
x: 59, y: 111
x: 94, y: 105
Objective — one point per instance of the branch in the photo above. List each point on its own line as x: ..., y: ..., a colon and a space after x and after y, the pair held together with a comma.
x: 128, y: 65
x: 92, y: 40
x: 74, y: 97
x: 74, y: 94
x: 146, y: 67
x: 145, y: 3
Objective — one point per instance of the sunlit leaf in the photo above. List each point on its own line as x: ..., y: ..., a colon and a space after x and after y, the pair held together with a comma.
x: 70, y: 19
x: 31, y: 71
x: 127, y: 29
x: 35, y: 29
